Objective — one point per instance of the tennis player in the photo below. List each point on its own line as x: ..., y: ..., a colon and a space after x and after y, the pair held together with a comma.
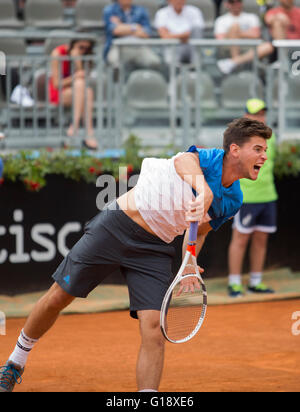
x: 134, y: 234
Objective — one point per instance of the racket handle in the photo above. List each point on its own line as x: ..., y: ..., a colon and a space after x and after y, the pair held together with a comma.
x: 193, y: 231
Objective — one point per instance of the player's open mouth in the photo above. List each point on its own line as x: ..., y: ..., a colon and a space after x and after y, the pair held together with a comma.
x: 257, y: 168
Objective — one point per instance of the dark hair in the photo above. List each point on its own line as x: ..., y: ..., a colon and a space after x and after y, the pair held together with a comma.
x: 241, y: 130
x: 74, y: 41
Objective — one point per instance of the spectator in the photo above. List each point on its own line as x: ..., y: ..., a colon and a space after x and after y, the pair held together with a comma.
x: 284, y: 21
x: 182, y: 22
x: 20, y: 6
x: 237, y: 24
x: 122, y: 19
x: 69, y: 3
x: 83, y: 96
x: 256, y: 219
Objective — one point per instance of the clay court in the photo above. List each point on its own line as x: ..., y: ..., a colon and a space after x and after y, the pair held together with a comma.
x: 241, y: 347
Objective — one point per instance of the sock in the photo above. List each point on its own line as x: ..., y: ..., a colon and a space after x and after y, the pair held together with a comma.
x: 234, y: 279
x: 148, y: 390
x: 22, y: 349
x: 255, y: 278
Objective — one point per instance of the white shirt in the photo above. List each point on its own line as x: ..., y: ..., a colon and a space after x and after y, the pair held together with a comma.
x: 162, y: 197
x: 246, y: 21
x: 189, y: 18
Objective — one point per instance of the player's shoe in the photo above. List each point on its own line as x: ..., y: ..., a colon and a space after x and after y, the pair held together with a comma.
x: 235, y: 290
x: 260, y: 288
x: 10, y: 374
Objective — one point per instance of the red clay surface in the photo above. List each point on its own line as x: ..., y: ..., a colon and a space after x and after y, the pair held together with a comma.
x: 246, y: 347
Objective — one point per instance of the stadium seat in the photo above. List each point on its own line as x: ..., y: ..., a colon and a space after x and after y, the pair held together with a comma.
x: 45, y: 14
x: 8, y: 18
x: 89, y: 14
x: 146, y: 95
x: 293, y: 100
x: 237, y: 88
x: 146, y: 89
x: 208, y: 10
x: 293, y: 94
x: 39, y: 85
x: 12, y: 46
x: 151, y: 5
x: 206, y: 91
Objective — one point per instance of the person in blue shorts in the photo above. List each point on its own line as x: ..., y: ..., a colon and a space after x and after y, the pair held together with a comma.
x: 134, y: 234
x: 256, y: 219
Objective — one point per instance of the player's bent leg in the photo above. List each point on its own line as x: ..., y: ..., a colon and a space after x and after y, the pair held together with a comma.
x: 151, y: 355
x: 46, y: 311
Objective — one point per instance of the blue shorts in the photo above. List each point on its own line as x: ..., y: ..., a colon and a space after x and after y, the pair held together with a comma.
x: 113, y: 241
x: 260, y: 217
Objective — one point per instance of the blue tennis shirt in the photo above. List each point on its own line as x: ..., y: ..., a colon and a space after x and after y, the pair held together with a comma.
x: 227, y: 200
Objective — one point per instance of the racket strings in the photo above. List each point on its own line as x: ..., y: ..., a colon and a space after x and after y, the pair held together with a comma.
x: 184, y: 313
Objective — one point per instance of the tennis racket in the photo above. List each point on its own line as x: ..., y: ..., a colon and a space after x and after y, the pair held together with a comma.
x: 182, y: 313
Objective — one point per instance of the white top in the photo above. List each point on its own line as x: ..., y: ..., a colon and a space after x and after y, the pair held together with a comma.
x: 246, y: 21
x: 162, y: 197
x: 189, y: 18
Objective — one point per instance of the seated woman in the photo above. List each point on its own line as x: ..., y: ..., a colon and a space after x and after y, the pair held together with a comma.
x: 66, y: 80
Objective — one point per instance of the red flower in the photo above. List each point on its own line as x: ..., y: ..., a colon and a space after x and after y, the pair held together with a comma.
x: 289, y: 164
x: 34, y: 186
x: 129, y: 169
x: 1, y: 181
x: 92, y: 170
x: 31, y: 185
x: 99, y: 168
x: 293, y: 149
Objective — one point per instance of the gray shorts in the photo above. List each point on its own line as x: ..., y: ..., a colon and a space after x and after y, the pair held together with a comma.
x: 114, y: 241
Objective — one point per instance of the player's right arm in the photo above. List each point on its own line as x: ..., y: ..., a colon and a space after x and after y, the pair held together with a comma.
x: 203, y: 230
x: 188, y: 168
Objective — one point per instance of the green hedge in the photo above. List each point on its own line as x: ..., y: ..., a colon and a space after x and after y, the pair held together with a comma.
x: 32, y: 168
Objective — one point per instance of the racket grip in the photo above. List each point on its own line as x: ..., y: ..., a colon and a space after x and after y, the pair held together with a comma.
x: 193, y: 231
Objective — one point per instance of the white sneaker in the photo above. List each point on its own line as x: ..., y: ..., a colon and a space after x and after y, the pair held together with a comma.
x: 21, y: 96
x: 226, y: 66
